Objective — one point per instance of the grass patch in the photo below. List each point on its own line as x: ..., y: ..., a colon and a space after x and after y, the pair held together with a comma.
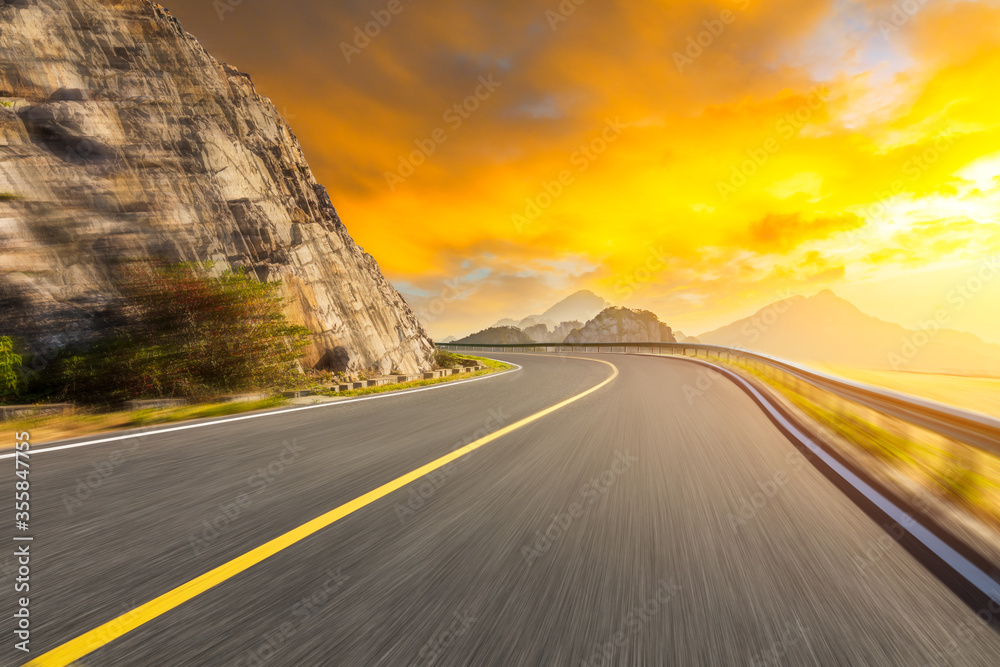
x: 7, y: 196
x: 949, y: 469
x: 47, y: 428
x: 491, y: 367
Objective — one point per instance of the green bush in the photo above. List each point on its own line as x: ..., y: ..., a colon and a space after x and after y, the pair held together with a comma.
x: 184, y: 333
x: 10, y: 362
x: 445, y: 359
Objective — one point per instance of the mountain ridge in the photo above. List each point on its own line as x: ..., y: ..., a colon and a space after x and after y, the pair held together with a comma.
x: 581, y: 306
x: 829, y: 329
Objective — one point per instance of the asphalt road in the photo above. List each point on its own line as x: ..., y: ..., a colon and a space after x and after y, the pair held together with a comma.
x: 644, y: 524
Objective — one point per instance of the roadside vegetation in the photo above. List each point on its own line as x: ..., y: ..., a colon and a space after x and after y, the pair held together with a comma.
x: 977, y: 393
x: 10, y: 362
x: 46, y: 428
x: 459, y: 360
x: 945, y: 469
x: 181, y: 332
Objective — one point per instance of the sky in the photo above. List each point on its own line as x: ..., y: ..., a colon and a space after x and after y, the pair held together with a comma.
x: 697, y: 159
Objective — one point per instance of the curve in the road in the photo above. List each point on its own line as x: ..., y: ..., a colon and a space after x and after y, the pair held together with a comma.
x: 257, y: 415
x: 89, y: 642
x: 952, y: 561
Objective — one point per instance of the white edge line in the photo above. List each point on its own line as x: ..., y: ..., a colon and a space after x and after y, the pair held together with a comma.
x: 981, y: 580
x: 270, y: 413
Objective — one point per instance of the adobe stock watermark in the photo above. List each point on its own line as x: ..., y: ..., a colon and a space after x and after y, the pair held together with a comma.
x: 901, y: 14
x: 562, y: 12
x: 363, y: 35
x: 881, y: 545
x: 260, y: 481
x: 957, y: 299
x: 966, y: 632
x: 712, y: 29
x: 443, y: 640
x: 436, y: 307
x: 223, y: 7
x: 580, y: 159
x: 785, y: 128
x: 95, y: 479
x: 768, y: 489
x: 420, y: 492
x: 777, y: 653
x: 655, y: 262
x: 297, y: 615
x: 591, y: 492
x: 912, y: 170
x: 454, y: 117
x: 51, y: 347
x: 763, y: 321
x: 706, y: 378
x: 632, y: 622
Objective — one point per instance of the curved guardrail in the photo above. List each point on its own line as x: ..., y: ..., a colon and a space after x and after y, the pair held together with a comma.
x: 974, y: 429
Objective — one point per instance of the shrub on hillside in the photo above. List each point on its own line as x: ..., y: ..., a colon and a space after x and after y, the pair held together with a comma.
x: 445, y: 359
x: 182, y: 332
x: 10, y: 362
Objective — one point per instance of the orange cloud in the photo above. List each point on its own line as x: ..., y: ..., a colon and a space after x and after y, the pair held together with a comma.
x: 798, y: 143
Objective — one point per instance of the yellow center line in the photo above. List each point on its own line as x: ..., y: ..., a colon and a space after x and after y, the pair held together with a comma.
x: 89, y: 642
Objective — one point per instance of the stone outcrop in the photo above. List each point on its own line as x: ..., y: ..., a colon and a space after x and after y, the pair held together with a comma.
x: 540, y: 333
x: 564, y: 329
x: 121, y: 137
x: 623, y: 325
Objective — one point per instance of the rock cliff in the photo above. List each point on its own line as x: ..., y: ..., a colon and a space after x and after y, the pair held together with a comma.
x: 623, y: 325
x: 540, y: 333
x: 120, y: 136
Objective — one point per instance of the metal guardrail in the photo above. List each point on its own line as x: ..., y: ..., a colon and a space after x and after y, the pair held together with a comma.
x: 974, y: 429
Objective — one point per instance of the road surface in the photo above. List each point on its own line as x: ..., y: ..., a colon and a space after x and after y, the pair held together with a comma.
x: 659, y: 520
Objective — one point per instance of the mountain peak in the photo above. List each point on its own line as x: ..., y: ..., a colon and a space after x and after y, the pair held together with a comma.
x: 581, y: 305
x: 827, y: 295
x: 623, y: 325
x: 830, y: 329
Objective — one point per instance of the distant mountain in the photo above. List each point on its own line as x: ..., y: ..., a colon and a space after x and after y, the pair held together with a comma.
x: 449, y: 339
x: 829, y: 329
x: 497, y: 336
x: 564, y: 329
x: 684, y: 338
x: 580, y: 306
x: 623, y: 325
x: 538, y: 333
x: 541, y: 333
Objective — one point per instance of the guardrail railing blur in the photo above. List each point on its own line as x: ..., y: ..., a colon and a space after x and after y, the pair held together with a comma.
x: 949, y: 451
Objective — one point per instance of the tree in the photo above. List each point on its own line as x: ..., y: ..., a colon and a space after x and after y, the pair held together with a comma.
x: 184, y: 332
x: 10, y: 362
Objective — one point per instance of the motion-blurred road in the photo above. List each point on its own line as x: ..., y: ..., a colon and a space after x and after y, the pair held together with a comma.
x: 661, y: 520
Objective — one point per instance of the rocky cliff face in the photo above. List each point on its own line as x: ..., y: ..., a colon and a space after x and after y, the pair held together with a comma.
x: 120, y: 136
x: 540, y: 333
x: 623, y: 325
